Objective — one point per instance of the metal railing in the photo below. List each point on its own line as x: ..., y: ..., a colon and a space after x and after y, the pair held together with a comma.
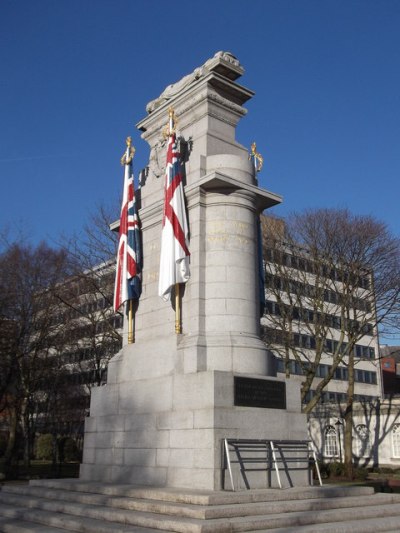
x: 263, y: 455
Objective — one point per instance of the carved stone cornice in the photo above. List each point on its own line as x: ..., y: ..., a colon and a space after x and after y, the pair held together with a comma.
x: 218, y: 181
x: 223, y: 63
x: 208, y: 88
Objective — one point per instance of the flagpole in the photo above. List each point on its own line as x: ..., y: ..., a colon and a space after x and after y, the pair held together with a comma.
x: 258, y: 162
x: 131, y: 333
x: 178, y: 322
x: 122, y: 293
x: 131, y: 338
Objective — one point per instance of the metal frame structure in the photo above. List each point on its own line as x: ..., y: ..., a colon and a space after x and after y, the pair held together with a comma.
x: 268, y: 455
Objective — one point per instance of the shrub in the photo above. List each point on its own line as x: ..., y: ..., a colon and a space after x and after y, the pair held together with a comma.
x: 336, y: 469
x: 3, y: 443
x: 323, y: 470
x: 360, y: 473
x: 386, y: 470
x: 68, y: 450
x: 44, y: 447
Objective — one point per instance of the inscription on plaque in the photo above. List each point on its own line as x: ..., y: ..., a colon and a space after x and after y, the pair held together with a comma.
x: 265, y: 393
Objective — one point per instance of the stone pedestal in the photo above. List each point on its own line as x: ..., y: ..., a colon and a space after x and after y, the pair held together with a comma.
x: 169, y: 399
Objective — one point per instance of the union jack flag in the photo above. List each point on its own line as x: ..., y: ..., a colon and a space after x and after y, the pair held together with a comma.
x: 127, y: 276
x: 174, y: 260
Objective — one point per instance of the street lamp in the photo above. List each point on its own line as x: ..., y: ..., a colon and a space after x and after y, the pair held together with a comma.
x: 338, y: 425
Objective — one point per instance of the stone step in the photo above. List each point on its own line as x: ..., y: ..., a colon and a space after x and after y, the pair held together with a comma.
x: 120, y: 502
x: 292, y: 523
x: 109, y: 508
x: 195, y: 511
x: 198, y: 497
x: 371, y: 525
x: 21, y: 520
x: 12, y: 525
x: 296, y: 520
x: 56, y: 513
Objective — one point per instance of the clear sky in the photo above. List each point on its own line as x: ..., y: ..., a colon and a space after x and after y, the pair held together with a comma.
x: 76, y: 76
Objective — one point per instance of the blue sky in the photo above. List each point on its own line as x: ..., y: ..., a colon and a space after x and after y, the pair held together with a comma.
x: 76, y: 76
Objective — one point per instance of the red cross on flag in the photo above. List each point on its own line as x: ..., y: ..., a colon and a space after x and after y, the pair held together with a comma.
x: 174, y: 260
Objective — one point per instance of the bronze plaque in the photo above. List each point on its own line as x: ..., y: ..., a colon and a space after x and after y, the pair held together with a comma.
x: 265, y: 393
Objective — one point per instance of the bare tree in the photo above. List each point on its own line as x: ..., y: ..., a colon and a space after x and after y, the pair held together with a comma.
x: 8, y: 374
x: 91, y: 328
x: 96, y: 244
x: 332, y: 280
x: 27, y: 275
x: 58, y: 328
x: 87, y: 297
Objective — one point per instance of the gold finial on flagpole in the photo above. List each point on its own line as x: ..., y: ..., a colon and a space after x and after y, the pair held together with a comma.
x: 127, y: 157
x: 170, y: 128
x: 258, y: 158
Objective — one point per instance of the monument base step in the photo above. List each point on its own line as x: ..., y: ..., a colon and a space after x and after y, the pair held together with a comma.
x: 53, y: 506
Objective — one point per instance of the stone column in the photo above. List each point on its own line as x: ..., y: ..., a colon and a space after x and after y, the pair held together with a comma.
x: 220, y: 305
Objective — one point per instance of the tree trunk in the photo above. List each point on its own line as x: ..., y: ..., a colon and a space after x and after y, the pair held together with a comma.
x: 348, y: 419
x: 27, y: 434
x: 9, y: 452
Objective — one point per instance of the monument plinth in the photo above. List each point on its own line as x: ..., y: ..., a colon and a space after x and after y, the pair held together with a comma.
x: 170, y: 399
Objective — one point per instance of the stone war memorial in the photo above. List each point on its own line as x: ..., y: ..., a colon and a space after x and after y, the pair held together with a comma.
x: 192, y: 415
x: 172, y: 398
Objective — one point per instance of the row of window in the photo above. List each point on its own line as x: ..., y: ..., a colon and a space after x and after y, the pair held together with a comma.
x: 309, y: 266
x: 83, y: 309
x: 306, y: 290
x: 75, y: 402
x: 360, y: 351
x: 84, y: 285
x: 341, y: 372
x: 87, y: 377
x: 339, y: 397
x: 362, y: 446
x: 87, y: 308
x: 84, y: 331
x: 309, y: 316
x: 308, y: 342
x: 87, y: 353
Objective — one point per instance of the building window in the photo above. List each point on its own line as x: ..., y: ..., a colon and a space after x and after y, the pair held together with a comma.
x: 331, y: 448
x: 396, y: 440
x: 362, y: 441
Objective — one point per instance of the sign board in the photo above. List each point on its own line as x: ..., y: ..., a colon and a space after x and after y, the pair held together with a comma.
x: 266, y: 393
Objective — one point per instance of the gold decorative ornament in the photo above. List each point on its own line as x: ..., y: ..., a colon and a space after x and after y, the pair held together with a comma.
x: 258, y: 158
x: 127, y: 157
x: 170, y: 128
